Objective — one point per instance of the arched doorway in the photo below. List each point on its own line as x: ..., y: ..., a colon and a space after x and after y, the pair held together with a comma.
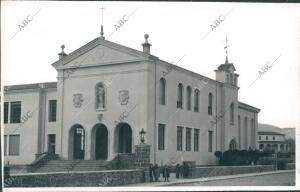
x: 76, y: 142
x: 123, y: 138
x: 99, y: 142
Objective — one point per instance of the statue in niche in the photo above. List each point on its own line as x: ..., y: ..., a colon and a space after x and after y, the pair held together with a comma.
x: 100, y: 97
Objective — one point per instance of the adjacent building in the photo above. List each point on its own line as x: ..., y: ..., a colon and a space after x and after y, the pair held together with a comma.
x: 269, y: 140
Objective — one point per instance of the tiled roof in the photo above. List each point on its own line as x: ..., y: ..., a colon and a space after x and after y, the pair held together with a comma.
x: 31, y: 86
x: 268, y: 133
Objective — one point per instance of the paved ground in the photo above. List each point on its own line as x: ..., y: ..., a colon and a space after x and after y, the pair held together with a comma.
x: 275, y: 179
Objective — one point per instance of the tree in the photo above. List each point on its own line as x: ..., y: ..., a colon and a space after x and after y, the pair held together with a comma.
x: 218, y: 154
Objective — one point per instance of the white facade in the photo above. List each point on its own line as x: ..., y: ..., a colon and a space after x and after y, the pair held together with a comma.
x: 267, y: 140
x: 106, y: 93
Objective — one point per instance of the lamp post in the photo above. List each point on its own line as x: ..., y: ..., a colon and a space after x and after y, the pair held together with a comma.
x: 142, y: 134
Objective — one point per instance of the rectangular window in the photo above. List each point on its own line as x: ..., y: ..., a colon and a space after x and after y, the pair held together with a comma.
x: 188, y: 139
x: 196, y: 139
x: 5, y: 112
x: 179, y: 138
x: 14, y: 144
x: 15, y: 112
x: 210, y: 141
x: 161, y: 136
x: 52, y: 111
x: 5, y: 145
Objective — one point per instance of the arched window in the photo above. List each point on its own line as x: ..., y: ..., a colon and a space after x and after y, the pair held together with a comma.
x: 232, y: 144
x: 100, y: 102
x: 179, y: 95
x: 231, y: 78
x: 188, y: 97
x: 246, y: 132
x: 196, y: 100
x: 227, y: 78
x: 210, y: 103
x: 162, y: 91
x: 232, y: 113
x: 261, y: 146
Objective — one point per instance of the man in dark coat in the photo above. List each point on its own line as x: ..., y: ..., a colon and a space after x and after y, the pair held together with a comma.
x: 151, y: 172
x: 177, y: 170
x: 166, y: 173
x: 156, y: 172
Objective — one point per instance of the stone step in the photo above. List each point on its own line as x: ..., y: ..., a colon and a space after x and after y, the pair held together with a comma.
x: 73, y: 165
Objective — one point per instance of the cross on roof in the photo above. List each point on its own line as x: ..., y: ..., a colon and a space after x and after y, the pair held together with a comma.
x: 102, y: 33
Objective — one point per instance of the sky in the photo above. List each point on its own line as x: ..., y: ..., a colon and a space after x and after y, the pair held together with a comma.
x: 258, y: 35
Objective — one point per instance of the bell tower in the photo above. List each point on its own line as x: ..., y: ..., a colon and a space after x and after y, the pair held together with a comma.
x: 226, y: 72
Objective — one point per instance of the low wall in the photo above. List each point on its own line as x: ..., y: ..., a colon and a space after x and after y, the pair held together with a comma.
x: 199, y: 172
x: 76, y: 179
x: 290, y: 166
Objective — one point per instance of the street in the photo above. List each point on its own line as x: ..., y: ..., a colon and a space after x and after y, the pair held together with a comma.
x: 276, y: 179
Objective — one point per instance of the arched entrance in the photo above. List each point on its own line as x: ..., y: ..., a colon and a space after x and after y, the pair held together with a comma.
x: 123, y: 138
x: 99, y: 142
x: 76, y: 142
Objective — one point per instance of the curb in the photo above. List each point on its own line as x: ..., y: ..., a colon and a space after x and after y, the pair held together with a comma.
x: 205, y: 179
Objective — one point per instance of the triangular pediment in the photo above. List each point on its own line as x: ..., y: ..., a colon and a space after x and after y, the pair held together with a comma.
x: 100, y: 52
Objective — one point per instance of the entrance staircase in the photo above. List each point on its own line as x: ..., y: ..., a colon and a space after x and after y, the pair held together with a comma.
x: 45, y: 164
x: 73, y: 165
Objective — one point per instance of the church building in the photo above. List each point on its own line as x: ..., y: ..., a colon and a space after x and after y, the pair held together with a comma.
x: 106, y: 93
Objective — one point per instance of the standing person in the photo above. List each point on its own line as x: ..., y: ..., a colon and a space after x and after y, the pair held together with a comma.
x: 185, y: 170
x: 166, y: 173
x: 151, y: 172
x: 181, y: 171
x: 156, y: 172
x: 177, y: 170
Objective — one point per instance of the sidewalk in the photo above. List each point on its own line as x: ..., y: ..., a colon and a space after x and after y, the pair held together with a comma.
x: 173, y: 180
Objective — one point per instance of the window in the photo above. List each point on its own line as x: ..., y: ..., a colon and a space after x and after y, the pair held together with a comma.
x: 240, y: 132
x: 14, y: 144
x: 52, y: 110
x: 196, y: 100
x: 196, y: 139
x: 210, y: 101
x: 188, y: 139
x: 15, y: 112
x: 100, y: 97
x: 231, y: 79
x: 188, y: 98
x: 246, y: 132
x: 161, y: 136
x: 232, y: 144
x: 227, y: 78
x: 179, y: 138
x: 5, y: 145
x: 259, y: 137
x: 232, y: 113
x: 267, y: 137
x: 274, y: 138
x: 210, y: 140
x: 162, y: 91
x: 5, y: 112
x: 261, y: 146
x: 179, y: 95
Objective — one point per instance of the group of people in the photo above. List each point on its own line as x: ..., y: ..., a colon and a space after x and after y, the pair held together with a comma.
x: 181, y: 171
x: 154, y: 172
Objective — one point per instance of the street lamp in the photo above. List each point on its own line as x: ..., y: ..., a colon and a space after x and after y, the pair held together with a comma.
x: 142, y: 134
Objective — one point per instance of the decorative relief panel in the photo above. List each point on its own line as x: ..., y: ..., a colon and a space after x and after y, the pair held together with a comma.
x: 124, y: 97
x: 77, y: 100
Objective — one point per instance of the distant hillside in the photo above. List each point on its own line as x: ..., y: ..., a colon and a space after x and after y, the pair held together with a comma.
x: 289, y: 132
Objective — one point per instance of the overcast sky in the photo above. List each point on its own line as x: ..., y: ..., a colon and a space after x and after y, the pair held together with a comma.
x: 257, y: 34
